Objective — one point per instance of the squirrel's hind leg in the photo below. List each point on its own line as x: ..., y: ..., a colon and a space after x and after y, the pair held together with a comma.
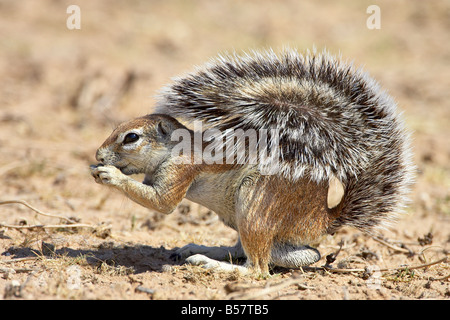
x: 286, y: 255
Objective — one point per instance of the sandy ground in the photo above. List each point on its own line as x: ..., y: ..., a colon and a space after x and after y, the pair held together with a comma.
x: 64, y: 90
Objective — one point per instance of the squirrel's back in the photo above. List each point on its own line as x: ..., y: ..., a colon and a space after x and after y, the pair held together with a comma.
x: 334, y: 121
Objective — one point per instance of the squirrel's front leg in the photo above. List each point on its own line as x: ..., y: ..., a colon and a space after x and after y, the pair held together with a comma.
x: 157, y: 196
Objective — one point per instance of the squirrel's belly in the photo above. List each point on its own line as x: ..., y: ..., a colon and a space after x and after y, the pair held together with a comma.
x: 217, y: 192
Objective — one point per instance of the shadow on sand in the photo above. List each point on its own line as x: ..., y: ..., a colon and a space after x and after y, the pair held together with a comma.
x: 140, y: 258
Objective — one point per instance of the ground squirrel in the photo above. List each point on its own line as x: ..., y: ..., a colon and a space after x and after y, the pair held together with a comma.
x: 342, y: 155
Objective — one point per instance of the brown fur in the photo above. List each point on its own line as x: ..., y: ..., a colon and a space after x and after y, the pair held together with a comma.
x: 267, y: 213
x: 260, y: 208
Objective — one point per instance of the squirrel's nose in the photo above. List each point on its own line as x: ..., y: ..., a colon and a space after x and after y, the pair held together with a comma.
x: 99, y: 156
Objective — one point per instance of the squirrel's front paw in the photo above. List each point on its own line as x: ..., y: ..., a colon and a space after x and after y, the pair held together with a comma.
x: 109, y: 175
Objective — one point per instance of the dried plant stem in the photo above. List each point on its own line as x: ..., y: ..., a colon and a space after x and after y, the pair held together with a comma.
x: 71, y: 223
x: 20, y: 260
x: 422, y: 265
x: 333, y: 270
x: 47, y: 226
x: 37, y: 210
x: 387, y: 244
x: 16, y: 270
x: 442, y: 278
x: 274, y: 288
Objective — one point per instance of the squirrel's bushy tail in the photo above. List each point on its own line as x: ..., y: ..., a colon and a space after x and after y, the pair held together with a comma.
x: 379, y: 193
x: 332, y: 119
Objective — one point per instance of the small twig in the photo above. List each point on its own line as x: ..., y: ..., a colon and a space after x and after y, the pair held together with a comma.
x: 387, y: 244
x: 332, y: 256
x: 48, y: 226
x: 72, y: 224
x: 37, y: 210
x: 441, y: 279
x: 16, y: 270
x: 279, y: 286
x: 421, y: 253
x: 333, y: 270
x: 423, y: 265
x: 330, y: 269
x: 20, y: 259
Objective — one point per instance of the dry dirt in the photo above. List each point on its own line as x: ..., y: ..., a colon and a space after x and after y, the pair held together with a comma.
x: 62, y: 91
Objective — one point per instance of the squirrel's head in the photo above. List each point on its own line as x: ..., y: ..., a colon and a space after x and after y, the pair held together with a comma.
x: 139, y: 145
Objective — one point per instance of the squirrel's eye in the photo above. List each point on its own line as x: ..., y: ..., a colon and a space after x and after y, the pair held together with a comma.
x: 130, y: 138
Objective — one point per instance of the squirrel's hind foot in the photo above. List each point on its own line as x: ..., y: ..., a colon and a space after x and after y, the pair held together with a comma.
x: 208, y: 263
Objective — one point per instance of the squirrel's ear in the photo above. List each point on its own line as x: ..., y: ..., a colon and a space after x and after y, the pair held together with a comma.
x: 163, y: 128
